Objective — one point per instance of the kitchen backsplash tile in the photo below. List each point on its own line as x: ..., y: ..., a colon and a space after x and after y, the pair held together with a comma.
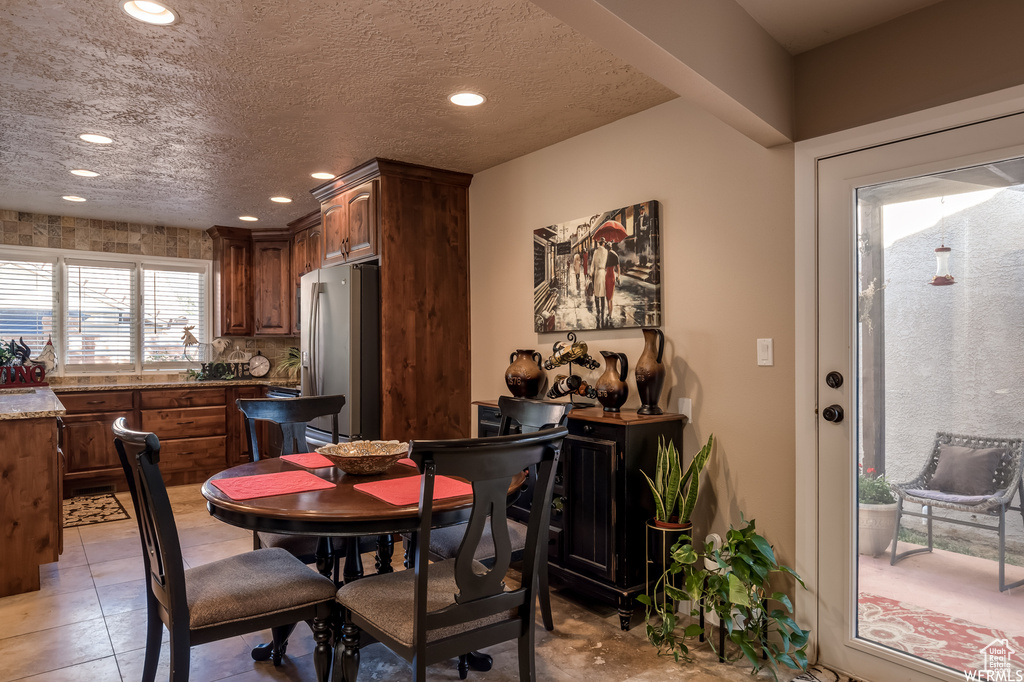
x: 83, y: 234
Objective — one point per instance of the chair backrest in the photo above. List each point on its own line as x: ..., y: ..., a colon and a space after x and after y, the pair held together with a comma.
x: 531, y: 415
x: 1011, y: 464
x: 140, y: 454
x: 490, y: 465
x: 291, y: 414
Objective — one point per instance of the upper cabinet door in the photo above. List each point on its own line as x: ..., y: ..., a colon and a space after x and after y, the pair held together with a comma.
x: 273, y: 295
x: 350, y: 225
x: 314, y: 247
x: 234, y: 287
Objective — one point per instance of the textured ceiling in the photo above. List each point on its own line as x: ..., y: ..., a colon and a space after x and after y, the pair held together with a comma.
x: 241, y: 101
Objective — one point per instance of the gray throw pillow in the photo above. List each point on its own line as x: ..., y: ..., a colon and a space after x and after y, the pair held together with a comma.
x: 966, y: 471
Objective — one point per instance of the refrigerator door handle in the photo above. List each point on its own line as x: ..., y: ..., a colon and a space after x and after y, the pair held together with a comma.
x: 314, y: 330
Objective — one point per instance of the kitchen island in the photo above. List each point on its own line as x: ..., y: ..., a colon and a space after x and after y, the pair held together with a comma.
x: 31, y: 524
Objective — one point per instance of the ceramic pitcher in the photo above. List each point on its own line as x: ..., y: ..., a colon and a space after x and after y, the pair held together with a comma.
x: 650, y: 372
x: 524, y: 375
x: 612, y: 389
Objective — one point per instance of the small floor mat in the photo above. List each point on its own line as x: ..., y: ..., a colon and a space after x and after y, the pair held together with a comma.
x: 89, y: 509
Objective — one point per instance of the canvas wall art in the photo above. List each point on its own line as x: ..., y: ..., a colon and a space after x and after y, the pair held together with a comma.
x: 599, y: 272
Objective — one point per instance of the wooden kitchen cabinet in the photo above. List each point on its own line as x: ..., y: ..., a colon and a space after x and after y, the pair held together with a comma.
x: 350, y: 225
x: 272, y: 283
x: 232, y: 281
x: 91, y: 459
x: 306, y: 256
x: 415, y: 220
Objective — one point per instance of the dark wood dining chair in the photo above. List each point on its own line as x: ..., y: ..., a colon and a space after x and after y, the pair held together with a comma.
x: 291, y: 415
x: 529, y: 415
x: 438, y: 611
x: 266, y: 588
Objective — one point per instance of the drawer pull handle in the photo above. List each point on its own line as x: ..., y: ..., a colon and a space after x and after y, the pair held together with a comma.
x: 192, y: 421
x: 587, y: 428
x: 95, y: 402
x: 187, y: 453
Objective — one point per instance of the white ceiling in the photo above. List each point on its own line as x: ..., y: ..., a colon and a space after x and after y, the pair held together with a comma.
x: 242, y: 101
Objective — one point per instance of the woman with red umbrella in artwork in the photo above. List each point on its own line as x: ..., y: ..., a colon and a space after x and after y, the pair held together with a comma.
x: 610, y: 232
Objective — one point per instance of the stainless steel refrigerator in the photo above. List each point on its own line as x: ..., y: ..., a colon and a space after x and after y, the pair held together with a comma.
x: 340, y: 329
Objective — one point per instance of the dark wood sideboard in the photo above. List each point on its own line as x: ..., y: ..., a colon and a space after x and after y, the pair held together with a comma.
x: 601, y: 503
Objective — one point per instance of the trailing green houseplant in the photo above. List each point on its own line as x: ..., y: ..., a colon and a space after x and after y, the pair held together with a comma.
x: 755, y: 618
x: 673, y: 489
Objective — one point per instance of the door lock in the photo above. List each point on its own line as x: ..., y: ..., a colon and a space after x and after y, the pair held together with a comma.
x: 833, y: 413
x: 834, y: 379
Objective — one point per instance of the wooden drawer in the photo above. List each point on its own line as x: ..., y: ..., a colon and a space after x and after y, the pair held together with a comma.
x: 187, y: 422
x: 157, y: 398
x: 96, y: 401
x: 187, y: 454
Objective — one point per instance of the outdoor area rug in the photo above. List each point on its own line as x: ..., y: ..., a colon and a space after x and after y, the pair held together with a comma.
x: 89, y: 509
x: 952, y: 642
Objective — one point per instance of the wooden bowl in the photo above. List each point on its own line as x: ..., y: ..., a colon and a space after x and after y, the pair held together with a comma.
x: 365, y: 457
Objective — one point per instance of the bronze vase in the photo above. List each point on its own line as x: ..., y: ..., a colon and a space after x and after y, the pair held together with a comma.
x: 650, y: 372
x: 524, y: 375
x: 612, y: 389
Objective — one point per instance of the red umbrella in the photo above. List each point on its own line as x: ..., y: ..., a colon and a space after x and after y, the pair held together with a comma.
x: 611, y: 231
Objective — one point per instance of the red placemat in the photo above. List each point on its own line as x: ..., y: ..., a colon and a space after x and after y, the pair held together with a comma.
x: 265, y: 485
x: 310, y: 460
x: 407, y: 462
x: 405, y: 491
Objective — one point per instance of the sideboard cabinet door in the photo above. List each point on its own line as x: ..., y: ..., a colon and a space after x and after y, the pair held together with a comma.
x: 589, y: 470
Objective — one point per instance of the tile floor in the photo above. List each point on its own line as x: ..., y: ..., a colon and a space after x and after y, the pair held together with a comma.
x: 87, y: 623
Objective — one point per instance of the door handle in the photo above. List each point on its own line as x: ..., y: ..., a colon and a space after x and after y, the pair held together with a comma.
x: 833, y: 413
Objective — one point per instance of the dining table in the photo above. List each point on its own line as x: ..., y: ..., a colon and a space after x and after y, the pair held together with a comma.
x: 337, y: 511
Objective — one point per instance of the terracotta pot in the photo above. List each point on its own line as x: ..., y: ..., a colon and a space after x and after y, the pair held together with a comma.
x: 876, y: 525
x: 524, y: 375
x: 650, y: 372
x: 612, y: 389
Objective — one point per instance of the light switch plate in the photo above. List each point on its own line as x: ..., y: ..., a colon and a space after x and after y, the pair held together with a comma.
x: 685, y: 408
x: 765, y: 352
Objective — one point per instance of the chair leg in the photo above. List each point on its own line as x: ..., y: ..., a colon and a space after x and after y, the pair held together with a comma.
x: 181, y: 645
x: 419, y: 667
x: 527, y: 658
x: 930, y: 546
x: 1002, y: 548
x: 544, y: 595
x: 896, y: 531
x: 154, y: 636
x: 281, y: 634
x: 346, y: 653
x: 322, y: 653
x: 463, y: 666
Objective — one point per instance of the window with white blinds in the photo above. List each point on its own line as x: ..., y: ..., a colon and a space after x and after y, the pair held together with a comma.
x: 100, y: 313
x: 108, y: 313
x: 172, y: 300
x: 26, y: 302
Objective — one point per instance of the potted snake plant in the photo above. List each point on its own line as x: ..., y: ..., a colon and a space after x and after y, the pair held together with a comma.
x: 675, y: 496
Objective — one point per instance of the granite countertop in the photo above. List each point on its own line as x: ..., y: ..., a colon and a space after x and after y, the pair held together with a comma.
x: 29, y: 403
x: 128, y: 386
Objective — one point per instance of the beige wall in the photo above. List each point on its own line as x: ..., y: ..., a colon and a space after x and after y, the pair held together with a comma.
x: 940, y: 54
x: 727, y: 254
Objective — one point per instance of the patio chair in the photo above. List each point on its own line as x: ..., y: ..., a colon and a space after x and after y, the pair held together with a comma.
x: 969, y: 474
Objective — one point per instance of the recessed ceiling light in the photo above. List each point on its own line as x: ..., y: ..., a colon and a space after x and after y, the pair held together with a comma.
x: 322, y: 176
x: 149, y: 12
x: 71, y: 197
x: 84, y: 173
x: 467, y: 99
x: 248, y: 218
x: 95, y: 139
x: 281, y: 200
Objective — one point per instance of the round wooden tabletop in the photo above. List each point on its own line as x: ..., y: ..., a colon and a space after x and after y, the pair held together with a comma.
x: 338, y: 512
